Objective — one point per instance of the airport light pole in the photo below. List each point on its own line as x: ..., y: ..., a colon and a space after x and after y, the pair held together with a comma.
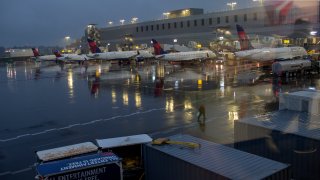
x: 67, y: 38
x: 108, y: 47
x: 174, y: 42
x: 232, y: 5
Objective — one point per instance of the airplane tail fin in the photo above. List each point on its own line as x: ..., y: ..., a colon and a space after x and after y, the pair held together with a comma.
x: 35, y: 52
x: 57, y: 53
x: 243, y: 39
x: 93, y: 46
x: 157, y: 48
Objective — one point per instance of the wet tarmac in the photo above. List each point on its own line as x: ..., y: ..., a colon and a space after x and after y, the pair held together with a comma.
x: 48, y: 105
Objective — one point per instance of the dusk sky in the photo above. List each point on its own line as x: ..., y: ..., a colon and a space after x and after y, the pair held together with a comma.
x: 47, y: 22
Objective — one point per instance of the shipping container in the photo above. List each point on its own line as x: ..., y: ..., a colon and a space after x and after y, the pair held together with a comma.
x: 303, y: 101
x: 286, y: 136
x: 87, y: 167
x: 129, y: 148
x: 209, y: 161
x: 77, y: 161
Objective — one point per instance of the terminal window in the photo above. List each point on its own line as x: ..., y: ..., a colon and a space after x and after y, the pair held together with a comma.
x: 210, y: 21
x: 181, y: 24
x: 235, y: 18
x: 137, y: 29
x: 218, y: 20
x: 227, y: 19
x: 202, y: 22
x: 157, y: 27
x: 163, y: 26
x: 188, y: 23
x: 151, y: 27
x: 245, y: 18
x: 195, y: 22
x: 147, y: 28
x: 255, y: 16
x: 141, y: 28
x: 169, y: 25
x: 175, y: 24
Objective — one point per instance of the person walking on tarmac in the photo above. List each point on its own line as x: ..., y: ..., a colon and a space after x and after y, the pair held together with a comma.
x: 202, y: 112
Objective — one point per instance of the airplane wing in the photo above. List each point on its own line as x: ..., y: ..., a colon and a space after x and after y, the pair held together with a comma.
x: 69, y: 58
x: 94, y: 55
x: 47, y: 58
x: 160, y: 56
x: 86, y: 57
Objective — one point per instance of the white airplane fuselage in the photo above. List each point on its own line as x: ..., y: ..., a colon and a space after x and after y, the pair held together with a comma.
x: 114, y: 55
x: 46, y: 58
x: 267, y: 54
x: 145, y: 54
x: 187, y: 56
x: 73, y: 57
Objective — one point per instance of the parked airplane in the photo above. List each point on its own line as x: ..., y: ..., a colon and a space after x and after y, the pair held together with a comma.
x: 114, y: 55
x: 71, y: 57
x: 180, y: 56
x: 38, y: 57
x: 265, y: 54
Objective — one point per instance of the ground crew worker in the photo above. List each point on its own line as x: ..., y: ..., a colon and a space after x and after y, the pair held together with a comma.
x: 202, y: 112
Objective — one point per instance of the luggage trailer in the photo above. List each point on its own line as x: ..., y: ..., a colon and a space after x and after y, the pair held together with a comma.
x: 113, y: 158
x: 78, y: 161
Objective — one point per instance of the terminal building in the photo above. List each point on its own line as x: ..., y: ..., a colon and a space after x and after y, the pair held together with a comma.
x: 276, y: 23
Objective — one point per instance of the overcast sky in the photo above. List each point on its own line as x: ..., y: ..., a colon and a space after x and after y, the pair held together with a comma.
x: 47, y: 22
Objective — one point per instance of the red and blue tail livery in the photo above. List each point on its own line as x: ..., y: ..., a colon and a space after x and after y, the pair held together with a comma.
x: 57, y: 53
x: 243, y: 38
x: 93, y: 46
x: 157, y: 48
x: 35, y: 52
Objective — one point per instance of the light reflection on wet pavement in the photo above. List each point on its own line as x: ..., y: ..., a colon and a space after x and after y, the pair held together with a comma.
x: 47, y: 105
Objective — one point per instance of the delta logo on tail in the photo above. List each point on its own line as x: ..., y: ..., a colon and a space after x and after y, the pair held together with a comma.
x: 57, y: 53
x: 157, y: 48
x: 93, y: 46
x: 35, y: 52
x: 243, y: 39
